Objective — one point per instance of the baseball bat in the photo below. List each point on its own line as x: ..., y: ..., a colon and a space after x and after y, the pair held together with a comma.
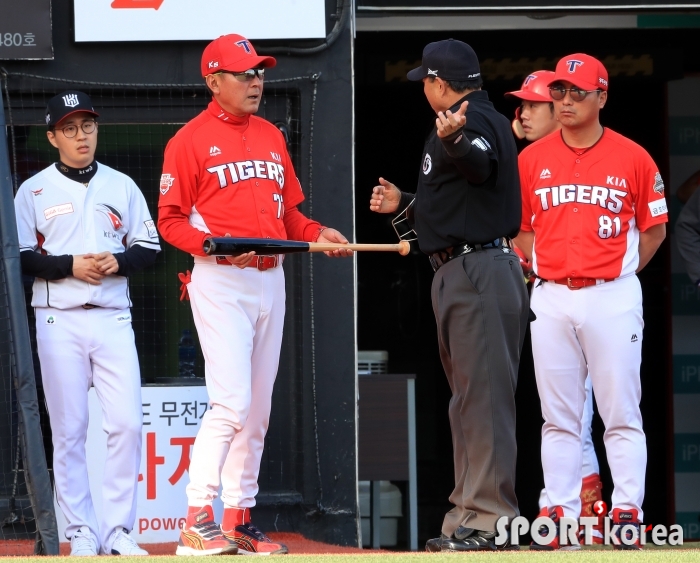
x: 228, y: 246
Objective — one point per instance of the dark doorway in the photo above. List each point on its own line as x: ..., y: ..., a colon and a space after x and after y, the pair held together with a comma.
x: 394, y: 311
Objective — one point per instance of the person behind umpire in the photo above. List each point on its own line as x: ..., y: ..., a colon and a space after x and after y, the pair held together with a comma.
x: 466, y: 206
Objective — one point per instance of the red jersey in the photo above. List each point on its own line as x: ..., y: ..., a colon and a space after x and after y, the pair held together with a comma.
x: 226, y: 174
x: 587, y: 206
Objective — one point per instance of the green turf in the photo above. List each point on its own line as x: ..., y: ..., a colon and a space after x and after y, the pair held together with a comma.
x: 678, y: 554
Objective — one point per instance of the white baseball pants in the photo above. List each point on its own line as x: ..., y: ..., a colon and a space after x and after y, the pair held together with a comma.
x: 239, y: 315
x: 597, y: 330
x: 589, y: 460
x: 79, y: 348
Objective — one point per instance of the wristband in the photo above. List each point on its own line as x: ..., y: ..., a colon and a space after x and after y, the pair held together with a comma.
x: 318, y: 234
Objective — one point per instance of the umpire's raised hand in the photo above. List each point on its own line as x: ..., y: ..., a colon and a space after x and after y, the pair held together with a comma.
x: 385, y: 197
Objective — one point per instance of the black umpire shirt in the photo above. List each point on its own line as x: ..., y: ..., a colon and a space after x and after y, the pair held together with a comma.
x: 461, y: 195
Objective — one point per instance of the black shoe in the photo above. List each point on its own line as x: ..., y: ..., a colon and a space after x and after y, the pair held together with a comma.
x: 469, y: 539
x: 435, y: 544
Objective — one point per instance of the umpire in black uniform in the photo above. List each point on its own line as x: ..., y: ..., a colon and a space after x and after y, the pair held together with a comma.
x: 466, y: 207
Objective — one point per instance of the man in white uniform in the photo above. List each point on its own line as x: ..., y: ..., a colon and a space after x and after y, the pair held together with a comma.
x: 83, y: 229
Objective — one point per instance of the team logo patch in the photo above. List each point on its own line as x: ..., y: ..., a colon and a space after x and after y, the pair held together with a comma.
x: 166, y: 182
x: 61, y: 209
x: 573, y: 64
x: 51, y: 319
x: 38, y: 192
x: 658, y: 184
x: 151, y: 228
x: 545, y: 174
x: 112, y: 213
x: 71, y: 100
x: 427, y: 164
x: 245, y: 45
x: 214, y: 151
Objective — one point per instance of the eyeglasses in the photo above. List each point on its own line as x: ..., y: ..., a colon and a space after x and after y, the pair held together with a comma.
x: 70, y: 131
x: 246, y: 75
x: 577, y: 94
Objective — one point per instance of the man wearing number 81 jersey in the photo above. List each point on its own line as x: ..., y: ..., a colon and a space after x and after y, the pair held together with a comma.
x: 594, y: 214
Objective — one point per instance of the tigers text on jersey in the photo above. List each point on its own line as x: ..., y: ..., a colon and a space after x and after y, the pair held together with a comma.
x: 228, y: 175
x: 588, y: 206
x: 57, y: 216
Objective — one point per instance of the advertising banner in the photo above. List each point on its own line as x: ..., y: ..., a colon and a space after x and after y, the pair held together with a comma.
x: 183, y: 20
x: 171, y: 418
x: 25, y: 30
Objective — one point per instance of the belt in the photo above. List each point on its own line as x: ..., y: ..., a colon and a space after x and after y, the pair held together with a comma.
x: 262, y: 263
x: 89, y: 306
x: 442, y: 257
x: 578, y: 283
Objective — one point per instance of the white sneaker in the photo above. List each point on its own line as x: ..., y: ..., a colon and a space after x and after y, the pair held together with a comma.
x: 83, y: 543
x: 123, y: 544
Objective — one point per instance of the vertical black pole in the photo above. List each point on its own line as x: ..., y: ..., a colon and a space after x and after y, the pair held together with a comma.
x: 34, y: 458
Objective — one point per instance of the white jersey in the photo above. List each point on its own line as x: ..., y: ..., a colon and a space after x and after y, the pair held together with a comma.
x: 57, y: 216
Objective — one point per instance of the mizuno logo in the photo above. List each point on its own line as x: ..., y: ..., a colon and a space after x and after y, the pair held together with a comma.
x: 545, y: 174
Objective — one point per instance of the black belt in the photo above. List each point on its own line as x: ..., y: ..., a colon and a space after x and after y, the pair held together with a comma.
x: 442, y: 257
x: 90, y: 306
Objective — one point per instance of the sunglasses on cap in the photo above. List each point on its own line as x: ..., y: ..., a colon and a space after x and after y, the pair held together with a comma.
x: 577, y: 94
x: 246, y: 75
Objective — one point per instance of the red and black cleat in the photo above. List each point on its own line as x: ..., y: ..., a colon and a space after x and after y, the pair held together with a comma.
x: 236, y: 527
x: 629, y: 531
x: 201, y: 535
x: 555, y: 514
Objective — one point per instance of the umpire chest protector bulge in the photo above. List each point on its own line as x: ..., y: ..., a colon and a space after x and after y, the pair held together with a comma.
x: 450, y: 210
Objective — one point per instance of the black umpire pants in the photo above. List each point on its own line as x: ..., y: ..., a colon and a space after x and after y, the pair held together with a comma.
x: 481, y: 308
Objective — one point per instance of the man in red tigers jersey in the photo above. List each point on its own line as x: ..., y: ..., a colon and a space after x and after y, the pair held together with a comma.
x: 594, y: 214
x: 228, y: 173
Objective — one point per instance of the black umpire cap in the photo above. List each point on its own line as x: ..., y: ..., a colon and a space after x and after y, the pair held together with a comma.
x: 448, y: 59
x: 67, y: 103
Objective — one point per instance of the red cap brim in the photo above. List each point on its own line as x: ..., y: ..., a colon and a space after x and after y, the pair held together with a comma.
x: 76, y: 111
x: 583, y: 84
x: 527, y: 96
x: 250, y: 62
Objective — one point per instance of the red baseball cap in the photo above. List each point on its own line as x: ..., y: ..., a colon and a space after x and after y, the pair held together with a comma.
x: 535, y: 87
x: 582, y: 71
x: 232, y: 52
